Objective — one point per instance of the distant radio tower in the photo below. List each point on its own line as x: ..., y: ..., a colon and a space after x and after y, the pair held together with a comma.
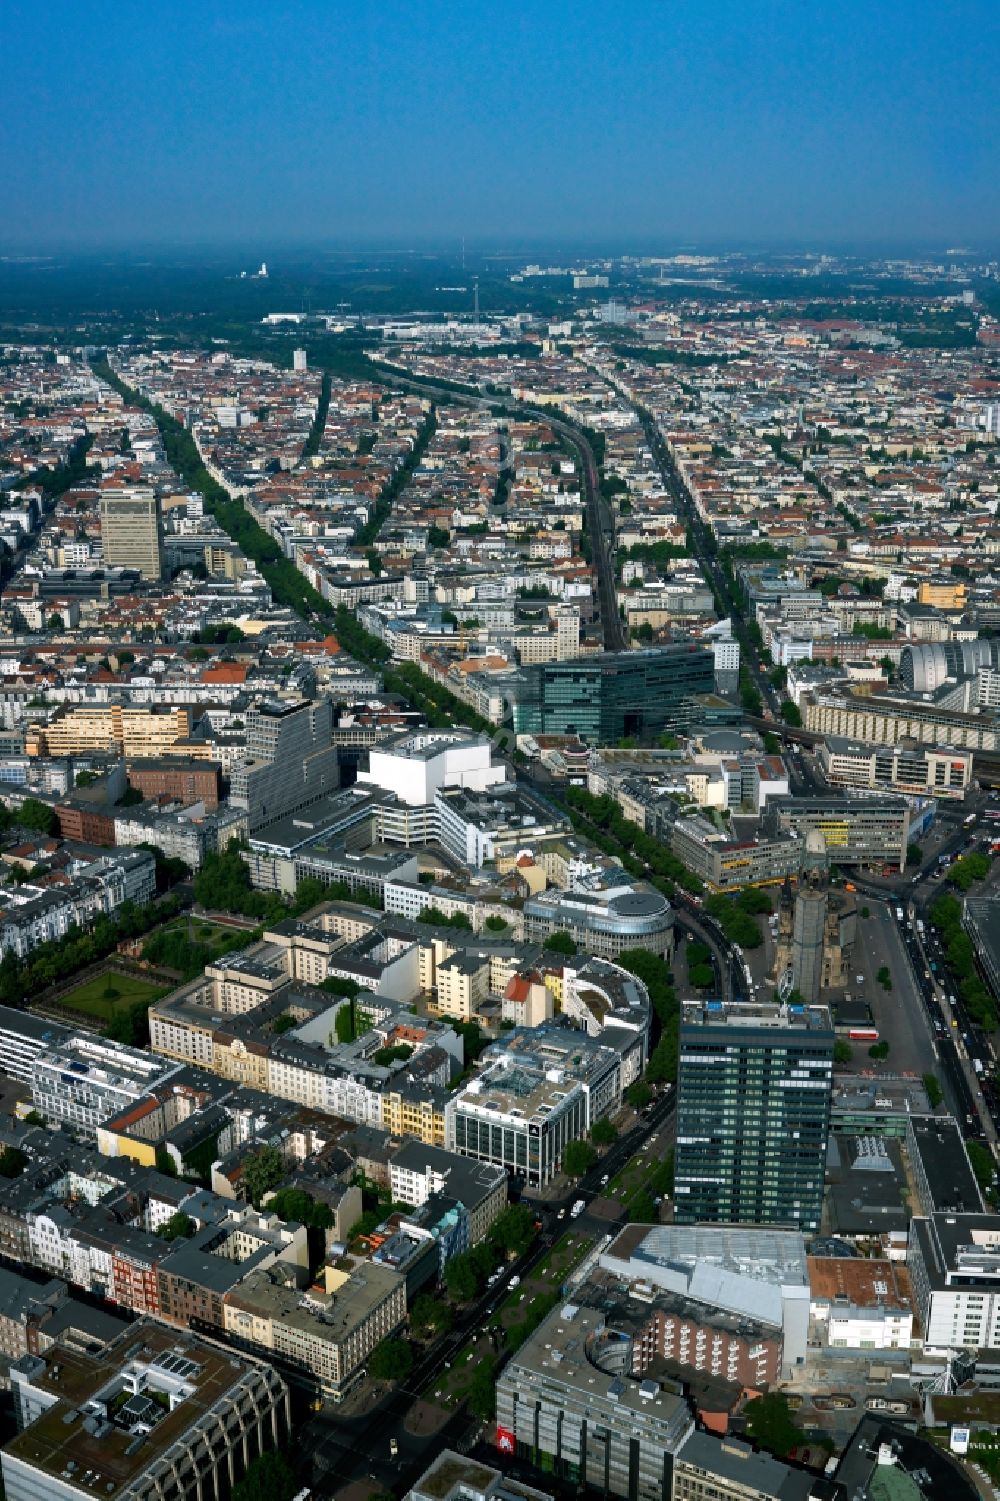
x: 475, y: 286
x: 463, y: 255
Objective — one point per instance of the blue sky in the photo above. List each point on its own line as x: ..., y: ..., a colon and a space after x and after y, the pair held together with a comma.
x: 683, y: 121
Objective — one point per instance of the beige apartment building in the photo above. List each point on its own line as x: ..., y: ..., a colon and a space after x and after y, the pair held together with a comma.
x: 136, y: 733
x: 419, y: 1111
x: 181, y: 1025
x: 462, y: 984
x: 292, y: 1080
x: 329, y: 1336
x: 241, y: 981
x: 944, y: 594
x: 307, y: 950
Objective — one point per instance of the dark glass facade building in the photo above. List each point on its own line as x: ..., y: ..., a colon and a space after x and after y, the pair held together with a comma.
x: 611, y: 696
x: 753, y: 1114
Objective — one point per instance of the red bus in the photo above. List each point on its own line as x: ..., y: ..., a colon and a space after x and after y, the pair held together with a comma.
x: 863, y: 1034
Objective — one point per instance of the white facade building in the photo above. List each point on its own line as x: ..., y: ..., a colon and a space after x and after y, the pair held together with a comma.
x: 414, y: 766
x: 85, y: 1080
x: 954, y: 1266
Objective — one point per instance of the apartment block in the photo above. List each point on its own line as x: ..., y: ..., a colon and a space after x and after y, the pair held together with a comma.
x: 417, y: 1171
x: 328, y: 1336
x: 168, y: 777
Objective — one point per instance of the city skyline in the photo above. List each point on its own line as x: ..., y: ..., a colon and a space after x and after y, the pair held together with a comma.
x: 499, y: 752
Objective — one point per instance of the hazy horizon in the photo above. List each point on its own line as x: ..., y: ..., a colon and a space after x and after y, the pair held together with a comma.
x: 299, y: 125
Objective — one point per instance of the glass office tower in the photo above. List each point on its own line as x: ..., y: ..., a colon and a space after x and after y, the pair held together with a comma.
x: 753, y: 1114
x: 611, y: 696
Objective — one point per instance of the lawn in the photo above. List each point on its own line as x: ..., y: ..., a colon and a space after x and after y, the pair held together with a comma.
x: 215, y: 936
x: 111, y: 993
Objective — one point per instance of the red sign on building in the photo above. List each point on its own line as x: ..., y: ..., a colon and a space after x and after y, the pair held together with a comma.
x: 506, y: 1442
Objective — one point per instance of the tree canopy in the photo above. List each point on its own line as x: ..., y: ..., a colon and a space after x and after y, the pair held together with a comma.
x: 392, y: 1360
x: 262, y: 1170
x: 295, y: 1206
x: 269, y: 1478
x: 560, y: 942
x: 770, y: 1424
x: 179, y: 1226
x: 578, y: 1158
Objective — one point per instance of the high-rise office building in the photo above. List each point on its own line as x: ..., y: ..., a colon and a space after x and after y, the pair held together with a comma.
x: 291, y: 762
x: 753, y: 1113
x: 300, y: 359
x: 609, y: 696
x: 131, y: 531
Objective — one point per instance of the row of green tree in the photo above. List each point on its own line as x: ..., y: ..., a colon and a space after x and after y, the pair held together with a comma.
x: 626, y: 839
x: 32, y: 814
x: 440, y: 706
x: 736, y: 915
x: 315, y: 438
x: 223, y: 885
x: 436, y: 918
x: 651, y: 970
x: 172, y: 948
x: 287, y: 584
x: 511, y: 1234
x: 74, y: 470
x: 946, y: 915
x: 397, y: 483
x: 969, y: 869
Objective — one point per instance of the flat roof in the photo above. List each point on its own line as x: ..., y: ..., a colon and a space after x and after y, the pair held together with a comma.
x: 756, y: 1014
x: 739, y: 1462
x: 326, y: 1316
x: 864, y: 1282
x: 944, y: 1160
x: 451, y: 1473
x: 557, y: 1353
x: 64, y: 1435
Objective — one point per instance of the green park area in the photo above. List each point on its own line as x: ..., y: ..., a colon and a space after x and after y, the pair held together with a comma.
x: 111, y: 993
x: 189, y: 943
x: 218, y: 937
